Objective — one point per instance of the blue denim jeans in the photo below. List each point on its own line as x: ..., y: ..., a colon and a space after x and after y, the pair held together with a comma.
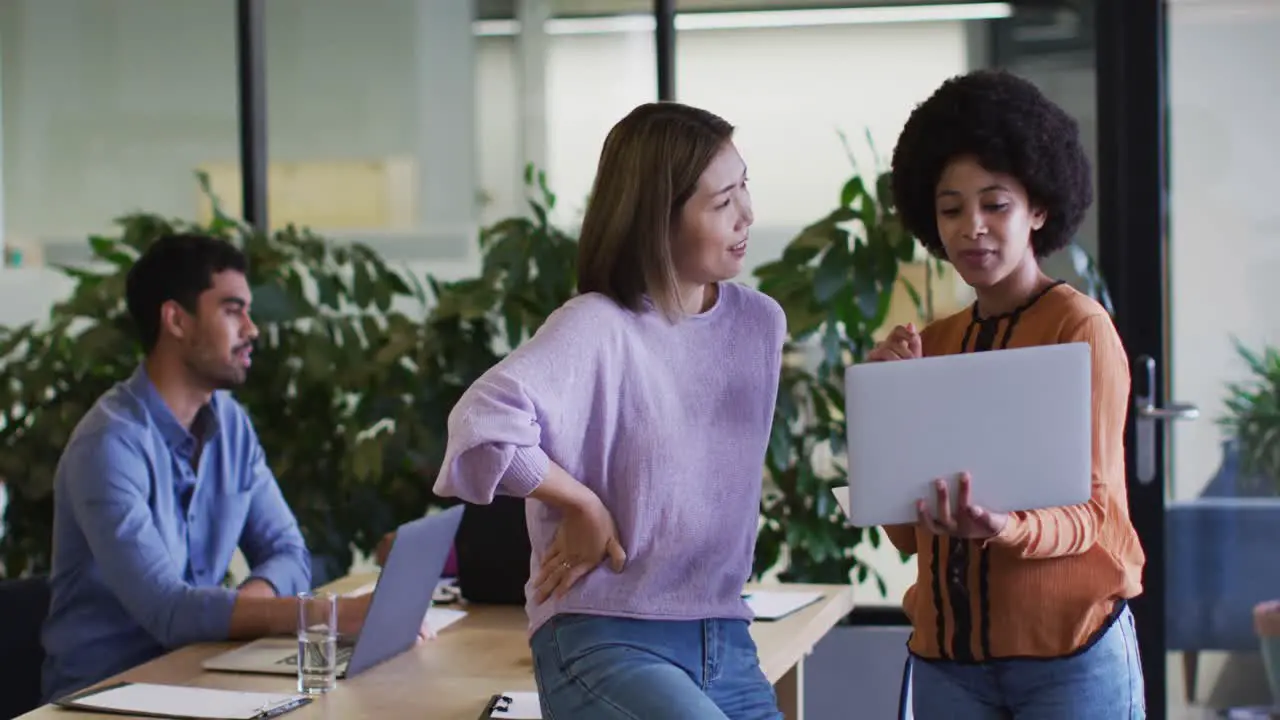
x: 590, y: 667
x: 1104, y: 682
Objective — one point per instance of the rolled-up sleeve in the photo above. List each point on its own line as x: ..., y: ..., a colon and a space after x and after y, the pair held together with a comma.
x: 495, y: 429
x: 109, y: 491
x: 271, y: 541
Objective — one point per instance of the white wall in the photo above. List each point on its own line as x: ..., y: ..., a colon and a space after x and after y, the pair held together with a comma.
x: 791, y: 90
x: 110, y: 106
x: 788, y: 103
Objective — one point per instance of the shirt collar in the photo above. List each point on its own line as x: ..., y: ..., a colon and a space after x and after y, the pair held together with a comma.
x: 176, y: 436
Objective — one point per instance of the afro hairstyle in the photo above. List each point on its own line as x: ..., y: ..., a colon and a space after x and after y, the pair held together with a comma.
x: 1010, y: 127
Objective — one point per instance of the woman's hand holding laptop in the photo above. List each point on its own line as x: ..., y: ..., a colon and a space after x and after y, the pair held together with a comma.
x: 968, y: 520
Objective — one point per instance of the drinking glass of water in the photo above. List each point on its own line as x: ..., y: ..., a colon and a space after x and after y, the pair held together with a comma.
x: 317, y: 642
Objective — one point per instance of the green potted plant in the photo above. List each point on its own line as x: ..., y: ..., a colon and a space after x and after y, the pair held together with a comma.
x: 1252, y: 418
x: 836, y: 282
x: 527, y: 271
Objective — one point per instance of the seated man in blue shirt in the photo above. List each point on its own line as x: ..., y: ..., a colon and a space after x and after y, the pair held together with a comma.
x: 163, y: 478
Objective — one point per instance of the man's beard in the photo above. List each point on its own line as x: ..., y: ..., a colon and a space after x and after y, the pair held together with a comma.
x: 215, y: 373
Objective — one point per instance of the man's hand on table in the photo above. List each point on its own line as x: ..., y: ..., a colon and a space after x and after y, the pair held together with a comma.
x: 384, y: 548
x: 359, y: 604
x: 351, y: 612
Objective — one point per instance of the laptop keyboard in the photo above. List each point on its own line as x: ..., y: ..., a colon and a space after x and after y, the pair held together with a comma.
x: 344, y: 654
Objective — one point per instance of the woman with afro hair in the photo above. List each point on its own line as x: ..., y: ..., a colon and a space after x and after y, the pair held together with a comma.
x: 1023, y: 614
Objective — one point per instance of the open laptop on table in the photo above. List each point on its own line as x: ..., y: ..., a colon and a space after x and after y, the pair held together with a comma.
x: 1019, y: 421
x: 400, y: 601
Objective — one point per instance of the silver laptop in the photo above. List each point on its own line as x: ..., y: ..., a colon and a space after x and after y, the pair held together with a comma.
x: 400, y: 601
x: 1018, y: 421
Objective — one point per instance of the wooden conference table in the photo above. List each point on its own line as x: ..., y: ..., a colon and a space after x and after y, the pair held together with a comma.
x: 486, y: 652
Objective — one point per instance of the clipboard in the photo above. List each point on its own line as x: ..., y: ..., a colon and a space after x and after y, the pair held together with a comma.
x: 182, y: 702
x: 514, y: 706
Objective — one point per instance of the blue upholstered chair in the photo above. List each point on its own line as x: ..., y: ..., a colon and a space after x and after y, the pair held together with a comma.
x: 1221, y: 558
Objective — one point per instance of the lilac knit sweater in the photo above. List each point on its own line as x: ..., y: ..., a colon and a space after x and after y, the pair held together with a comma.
x: 666, y: 423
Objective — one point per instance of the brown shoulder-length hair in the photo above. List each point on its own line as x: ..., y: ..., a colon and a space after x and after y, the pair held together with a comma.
x: 649, y: 168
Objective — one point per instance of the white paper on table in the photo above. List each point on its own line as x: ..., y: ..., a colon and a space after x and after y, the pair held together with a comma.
x: 774, y: 604
x: 185, y: 702
x: 439, y: 618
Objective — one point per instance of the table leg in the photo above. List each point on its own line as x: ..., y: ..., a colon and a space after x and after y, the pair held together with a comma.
x: 790, y: 691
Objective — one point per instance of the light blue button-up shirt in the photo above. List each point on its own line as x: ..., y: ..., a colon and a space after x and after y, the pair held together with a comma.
x: 142, y: 540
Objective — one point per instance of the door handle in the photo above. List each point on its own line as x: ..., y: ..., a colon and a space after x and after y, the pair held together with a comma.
x: 1148, y: 415
x: 1176, y: 411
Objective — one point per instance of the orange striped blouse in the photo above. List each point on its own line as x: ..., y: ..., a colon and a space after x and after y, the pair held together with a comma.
x: 1050, y: 580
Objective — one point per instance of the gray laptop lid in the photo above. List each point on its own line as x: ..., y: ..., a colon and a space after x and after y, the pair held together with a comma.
x: 1018, y: 420
x: 403, y: 593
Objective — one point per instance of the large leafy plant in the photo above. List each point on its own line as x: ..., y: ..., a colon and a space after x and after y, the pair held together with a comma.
x: 357, y: 368
x: 1252, y: 414
x: 527, y: 271
x: 333, y: 326
x: 835, y: 280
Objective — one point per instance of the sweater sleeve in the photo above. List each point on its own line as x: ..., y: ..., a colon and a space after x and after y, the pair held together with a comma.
x: 495, y: 429
x: 1072, y: 530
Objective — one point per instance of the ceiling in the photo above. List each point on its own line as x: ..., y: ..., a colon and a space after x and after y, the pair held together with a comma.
x: 504, y: 9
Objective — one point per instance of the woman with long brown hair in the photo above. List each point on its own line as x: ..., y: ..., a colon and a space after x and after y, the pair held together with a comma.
x: 635, y: 422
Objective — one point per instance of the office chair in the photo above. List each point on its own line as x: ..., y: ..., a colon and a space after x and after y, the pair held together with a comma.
x: 23, y: 605
x: 493, y: 552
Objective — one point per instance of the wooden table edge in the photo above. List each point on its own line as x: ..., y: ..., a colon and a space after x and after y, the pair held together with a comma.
x: 780, y: 666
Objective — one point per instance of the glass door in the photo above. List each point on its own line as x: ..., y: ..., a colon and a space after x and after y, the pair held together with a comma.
x: 1222, y: 521
x: 1190, y: 243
